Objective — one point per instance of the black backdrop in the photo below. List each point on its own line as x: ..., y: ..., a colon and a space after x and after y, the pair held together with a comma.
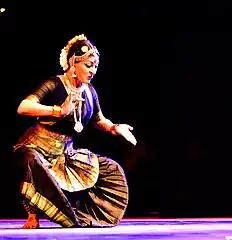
x: 164, y: 69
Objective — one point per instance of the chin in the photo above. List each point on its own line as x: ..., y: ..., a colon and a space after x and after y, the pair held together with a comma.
x: 85, y: 81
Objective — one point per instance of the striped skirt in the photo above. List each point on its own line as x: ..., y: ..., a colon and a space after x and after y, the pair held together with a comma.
x: 70, y: 187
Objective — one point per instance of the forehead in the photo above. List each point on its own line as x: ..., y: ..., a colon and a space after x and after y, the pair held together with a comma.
x: 92, y: 59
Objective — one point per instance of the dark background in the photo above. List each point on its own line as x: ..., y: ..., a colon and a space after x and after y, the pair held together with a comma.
x: 165, y: 69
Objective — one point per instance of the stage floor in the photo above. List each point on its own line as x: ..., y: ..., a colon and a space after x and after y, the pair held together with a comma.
x: 142, y: 229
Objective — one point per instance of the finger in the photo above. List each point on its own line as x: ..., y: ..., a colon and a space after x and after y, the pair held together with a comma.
x: 130, y: 127
x: 73, y: 97
x: 133, y: 141
x: 69, y: 98
x: 131, y: 138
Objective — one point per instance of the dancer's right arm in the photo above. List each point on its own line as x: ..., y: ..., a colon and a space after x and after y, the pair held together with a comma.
x: 32, y: 105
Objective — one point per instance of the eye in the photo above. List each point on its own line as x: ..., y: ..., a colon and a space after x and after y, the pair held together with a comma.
x: 88, y: 65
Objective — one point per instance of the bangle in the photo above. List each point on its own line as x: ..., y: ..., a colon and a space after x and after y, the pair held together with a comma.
x: 113, y: 129
x: 56, y: 111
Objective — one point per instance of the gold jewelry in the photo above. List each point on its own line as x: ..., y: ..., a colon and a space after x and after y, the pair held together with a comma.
x: 56, y: 111
x: 78, y: 92
x: 84, y: 49
x: 113, y: 129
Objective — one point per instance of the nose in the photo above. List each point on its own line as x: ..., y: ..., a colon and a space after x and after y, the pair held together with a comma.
x: 93, y: 70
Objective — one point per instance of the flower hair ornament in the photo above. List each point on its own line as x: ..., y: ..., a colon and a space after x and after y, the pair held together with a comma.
x: 86, y: 50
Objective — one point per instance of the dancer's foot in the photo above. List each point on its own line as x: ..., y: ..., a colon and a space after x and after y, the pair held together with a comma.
x: 32, y: 222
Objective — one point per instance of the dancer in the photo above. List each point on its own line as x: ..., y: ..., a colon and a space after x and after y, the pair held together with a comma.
x: 73, y: 187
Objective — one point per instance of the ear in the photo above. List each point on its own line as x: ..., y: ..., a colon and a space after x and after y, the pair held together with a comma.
x: 70, y: 61
x: 72, y: 70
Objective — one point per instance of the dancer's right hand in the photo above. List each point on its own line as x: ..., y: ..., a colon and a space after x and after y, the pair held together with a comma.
x: 69, y: 104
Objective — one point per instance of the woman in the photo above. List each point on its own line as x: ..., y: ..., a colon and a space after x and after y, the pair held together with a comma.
x: 71, y: 187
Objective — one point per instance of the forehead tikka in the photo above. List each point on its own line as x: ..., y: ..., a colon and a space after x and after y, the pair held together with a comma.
x: 87, y: 54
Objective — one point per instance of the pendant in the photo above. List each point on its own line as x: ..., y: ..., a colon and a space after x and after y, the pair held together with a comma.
x: 78, y: 126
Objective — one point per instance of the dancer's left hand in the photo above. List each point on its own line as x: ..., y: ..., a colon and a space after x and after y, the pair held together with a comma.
x: 125, y: 131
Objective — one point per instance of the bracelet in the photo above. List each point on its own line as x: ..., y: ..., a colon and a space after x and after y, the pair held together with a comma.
x: 113, y: 129
x: 56, y: 111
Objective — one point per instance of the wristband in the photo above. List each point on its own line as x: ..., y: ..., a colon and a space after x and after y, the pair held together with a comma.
x: 113, y: 129
x: 56, y: 111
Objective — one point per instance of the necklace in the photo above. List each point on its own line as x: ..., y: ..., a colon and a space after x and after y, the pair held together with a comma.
x: 78, y: 127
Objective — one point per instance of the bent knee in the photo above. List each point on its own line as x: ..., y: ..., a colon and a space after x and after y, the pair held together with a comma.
x: 26, y: 155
